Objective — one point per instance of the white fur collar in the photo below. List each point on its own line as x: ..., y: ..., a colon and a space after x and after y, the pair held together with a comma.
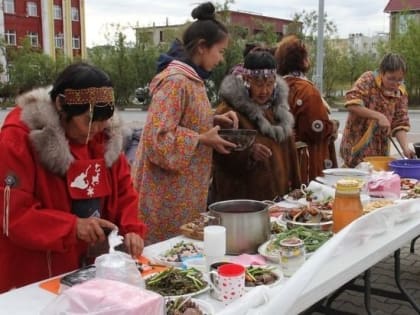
x: 47, y: 135
x: 234, y: 93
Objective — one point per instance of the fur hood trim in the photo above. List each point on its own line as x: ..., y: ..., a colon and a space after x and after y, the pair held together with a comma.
x: 48, y: 137
x: 235, y: 94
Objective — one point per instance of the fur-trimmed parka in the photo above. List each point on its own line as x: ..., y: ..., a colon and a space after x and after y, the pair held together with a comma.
x: 237, y: 175
x: 38, y: 232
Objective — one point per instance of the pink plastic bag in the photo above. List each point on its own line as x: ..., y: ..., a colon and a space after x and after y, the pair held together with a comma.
x: 106, y: 297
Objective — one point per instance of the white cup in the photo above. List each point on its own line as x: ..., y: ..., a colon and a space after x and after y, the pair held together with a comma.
x: 214, y: 243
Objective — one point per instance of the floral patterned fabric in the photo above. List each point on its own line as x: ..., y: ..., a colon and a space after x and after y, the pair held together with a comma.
x: 363, y: 137
x: 172, y: 171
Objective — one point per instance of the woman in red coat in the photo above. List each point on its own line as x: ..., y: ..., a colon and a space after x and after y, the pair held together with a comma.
x: 63, y: 178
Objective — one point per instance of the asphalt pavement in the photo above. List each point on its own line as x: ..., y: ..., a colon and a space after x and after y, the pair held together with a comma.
x: 382, y: 277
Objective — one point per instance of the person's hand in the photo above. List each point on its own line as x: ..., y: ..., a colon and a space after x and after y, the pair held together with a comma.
x: 227, y: 120
x: 383, y: 122
x: 260, y: 152
x: 91, y: 230
x: 134, y: 244
x: 409, y: 153
x: 336, y: 126
x: 212, y: 139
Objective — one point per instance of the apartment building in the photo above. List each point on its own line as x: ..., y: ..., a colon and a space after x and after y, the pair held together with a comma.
x: 52, y: 26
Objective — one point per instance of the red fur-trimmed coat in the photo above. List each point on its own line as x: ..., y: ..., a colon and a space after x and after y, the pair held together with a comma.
x: 38, y: 239
x: 237, y: 175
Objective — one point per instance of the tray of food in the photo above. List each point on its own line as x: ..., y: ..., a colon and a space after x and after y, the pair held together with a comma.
x: 187, y: 305
x: 195, y: 228
x: 262, y: 275
x: 175, y: 282
x: 175, y: 255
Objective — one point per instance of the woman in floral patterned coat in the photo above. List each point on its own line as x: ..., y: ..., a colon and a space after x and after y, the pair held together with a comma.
x: 312, y: 123
x: 174, y: 156
x: 377, y: 106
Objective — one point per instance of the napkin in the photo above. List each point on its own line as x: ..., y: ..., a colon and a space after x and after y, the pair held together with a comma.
x: 321, y: 191
x: 248, y: 260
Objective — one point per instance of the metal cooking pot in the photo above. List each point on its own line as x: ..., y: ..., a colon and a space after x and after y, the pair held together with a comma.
x: 247, y: 224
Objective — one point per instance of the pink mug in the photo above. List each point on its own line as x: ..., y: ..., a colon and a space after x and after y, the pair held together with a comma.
x: 228, y: 282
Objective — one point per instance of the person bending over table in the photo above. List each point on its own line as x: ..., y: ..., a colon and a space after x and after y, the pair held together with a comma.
x: 377, y: 105
x: 270, y: 167
x: 63, y: 178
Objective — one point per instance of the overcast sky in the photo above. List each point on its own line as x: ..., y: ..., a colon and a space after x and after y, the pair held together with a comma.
x: 350, y: 16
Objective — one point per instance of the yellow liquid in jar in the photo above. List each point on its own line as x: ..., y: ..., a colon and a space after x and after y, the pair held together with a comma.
x: 347, y: 207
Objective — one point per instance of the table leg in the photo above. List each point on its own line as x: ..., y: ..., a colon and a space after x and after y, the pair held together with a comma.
x: 397, y: 274
x: 413, y: 243
x: 367, y: 294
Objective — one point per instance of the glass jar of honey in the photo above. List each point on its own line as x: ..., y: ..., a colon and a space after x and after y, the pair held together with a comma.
x: 347, y: 206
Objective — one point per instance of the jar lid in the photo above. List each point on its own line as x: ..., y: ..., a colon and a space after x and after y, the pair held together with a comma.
x: 348, y: 185
x: 291, y: 241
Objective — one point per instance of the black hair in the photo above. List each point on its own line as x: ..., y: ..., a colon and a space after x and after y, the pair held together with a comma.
x: 206, y: 27
x: 259, y: 58
x: 392, y: 62
x: 78, y: 76
x: 248, y: 47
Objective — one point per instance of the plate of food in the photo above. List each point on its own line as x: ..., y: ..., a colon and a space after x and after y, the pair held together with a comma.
x: 188, y: 305
x: 299, y: 196
x: 408, y: 183
x: 262, y: 275
x: 178, y: 252
x: 175, y: 282
x: 313, y: 239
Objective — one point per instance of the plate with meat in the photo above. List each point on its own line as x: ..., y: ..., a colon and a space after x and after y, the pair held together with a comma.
x: 262, y: 275
x: 187, y: 305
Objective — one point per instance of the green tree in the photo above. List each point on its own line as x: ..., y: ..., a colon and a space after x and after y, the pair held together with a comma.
x: 30, y: 68
x: 407, y: 45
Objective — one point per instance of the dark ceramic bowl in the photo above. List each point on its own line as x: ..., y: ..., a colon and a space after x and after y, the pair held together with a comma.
x: 243, y: 138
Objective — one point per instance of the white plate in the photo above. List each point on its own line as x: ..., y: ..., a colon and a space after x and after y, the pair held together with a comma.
x: 300, y: 201
x: 277, y: 271
x: 272, y: 256
x: 205, y: 307
x: 162, y: 259
x: 412, y: 182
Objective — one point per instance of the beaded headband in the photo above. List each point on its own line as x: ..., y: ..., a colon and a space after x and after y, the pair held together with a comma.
x: 260, y: 72
x: 92, y: 95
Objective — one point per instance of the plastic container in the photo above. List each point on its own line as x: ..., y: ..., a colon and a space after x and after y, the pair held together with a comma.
x: 292, y: 255
x: 406, y: 168
x: 379, y: 163
x: 347, y: 205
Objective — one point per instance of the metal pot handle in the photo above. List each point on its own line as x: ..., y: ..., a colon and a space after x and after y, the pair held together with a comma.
x: 269, y: 202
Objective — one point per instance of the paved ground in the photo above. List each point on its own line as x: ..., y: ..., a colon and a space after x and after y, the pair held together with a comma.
x: 382, y: 277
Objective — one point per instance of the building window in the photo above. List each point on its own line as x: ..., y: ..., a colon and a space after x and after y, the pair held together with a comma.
x: 58, y: 14
x: 31, y: 9
x: 74, y: 14
x: 76, y: 42
x: 10, y: 37
x: 59, y: 40
x: 9, y: 6
x: 33, y: 39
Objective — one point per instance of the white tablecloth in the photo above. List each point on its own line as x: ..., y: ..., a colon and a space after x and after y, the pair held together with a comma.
x: 356, y: 248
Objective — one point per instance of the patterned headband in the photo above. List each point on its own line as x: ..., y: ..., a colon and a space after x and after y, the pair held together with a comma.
x: 93, y: 96
x: 260, y: 72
